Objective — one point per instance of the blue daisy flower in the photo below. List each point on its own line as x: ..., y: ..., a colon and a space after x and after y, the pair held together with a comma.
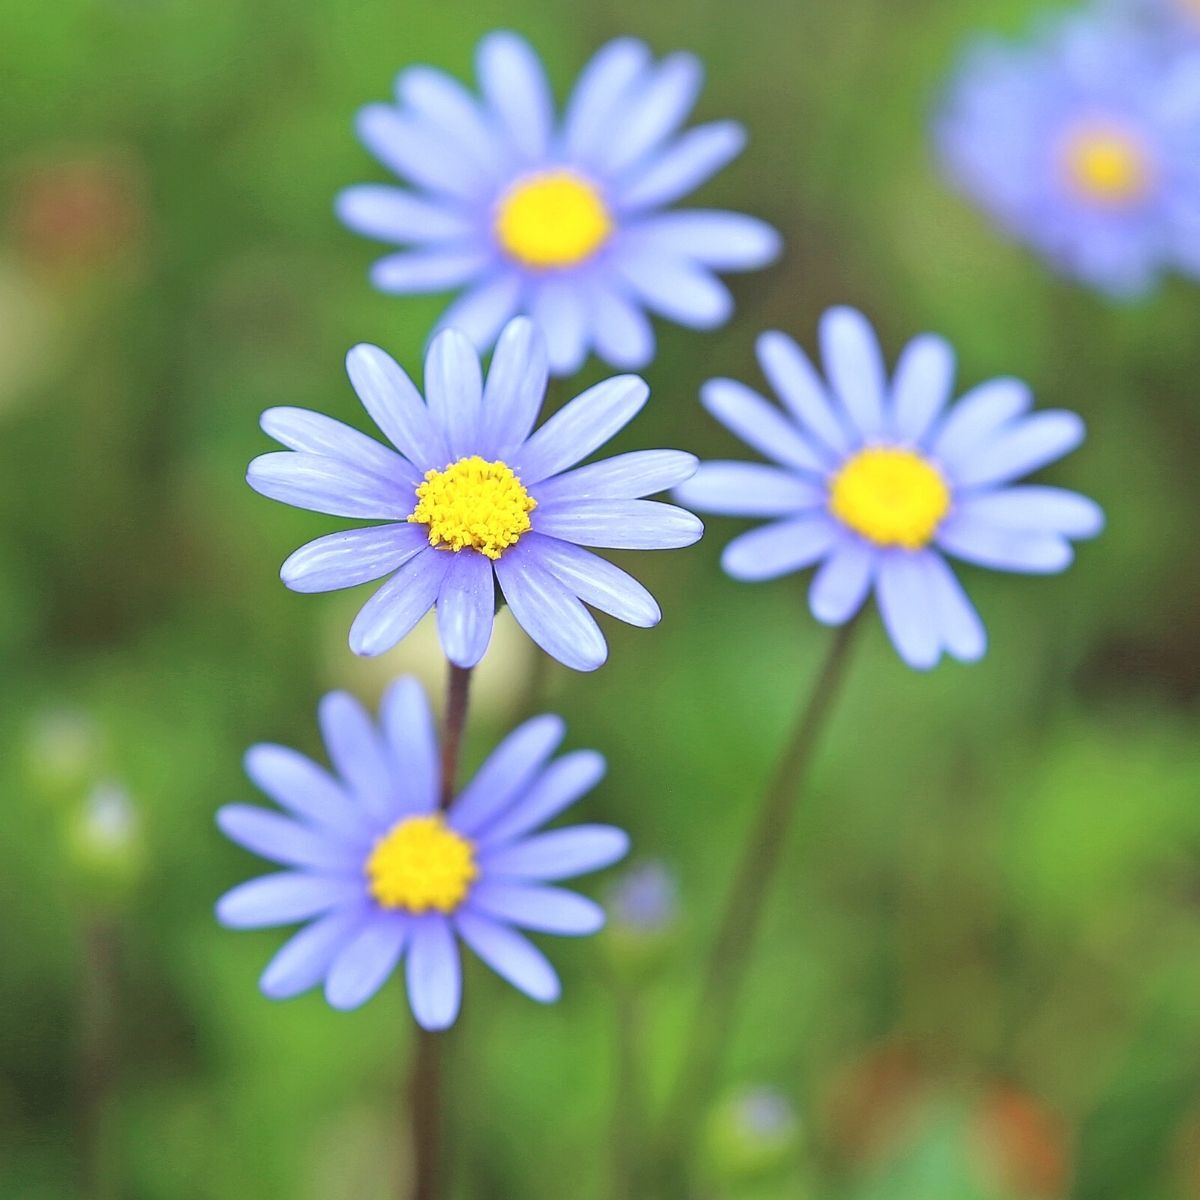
x: 379, y: 872
x: 1085, y: 145
x: 472, y: 498
x: 878, y: 480
x: 559, y: 219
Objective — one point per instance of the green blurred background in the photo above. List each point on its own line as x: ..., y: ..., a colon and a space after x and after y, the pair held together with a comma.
x: 981, y: 971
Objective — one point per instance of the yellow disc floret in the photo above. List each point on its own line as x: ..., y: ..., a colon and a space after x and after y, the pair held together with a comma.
x: 552, y: 219
x: 421, y: 864
x: 1107, y: 166
x: 891, y: 497
x: 473, y: 503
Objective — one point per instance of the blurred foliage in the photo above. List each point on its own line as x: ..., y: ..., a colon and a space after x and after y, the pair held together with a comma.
x: 979, y: 975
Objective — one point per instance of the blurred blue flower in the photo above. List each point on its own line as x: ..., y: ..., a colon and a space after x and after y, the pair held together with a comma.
x: 1086, y: 145
x: 381, y: 873
x: 877, y: 480
x: 645, y: 899
x: 561, y: 220
x: 471, y: 492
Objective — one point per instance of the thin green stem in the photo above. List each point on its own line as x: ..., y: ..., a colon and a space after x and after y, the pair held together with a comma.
x: 725, y: 973
x: 425, y: 1093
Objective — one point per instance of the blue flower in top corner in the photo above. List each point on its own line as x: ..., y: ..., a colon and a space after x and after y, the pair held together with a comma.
x: 561, y: 219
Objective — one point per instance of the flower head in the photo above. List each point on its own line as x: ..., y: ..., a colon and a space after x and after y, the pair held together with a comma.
x: 472, y: 497
x: 379, y: 872
x: 561, y: 219
x: 878, y: 480
x: 1086, y: 145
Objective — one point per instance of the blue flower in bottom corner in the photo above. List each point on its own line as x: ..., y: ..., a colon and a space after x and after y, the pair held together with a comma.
x: 877, y: 480
x: 381, y: 873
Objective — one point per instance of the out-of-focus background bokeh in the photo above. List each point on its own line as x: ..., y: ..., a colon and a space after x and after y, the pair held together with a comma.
x: 980, y: 977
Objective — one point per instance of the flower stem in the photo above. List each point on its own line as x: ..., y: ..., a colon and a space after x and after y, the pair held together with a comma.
x: 425, y: 1086
x: 98, y: 1058
x: 726, y: 968
x: 453, y: 724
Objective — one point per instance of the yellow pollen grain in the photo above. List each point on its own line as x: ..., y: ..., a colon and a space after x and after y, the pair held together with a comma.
x: 421, y: 864
x: 1107, y: 166
x: 551, y: 220
x: 473, y: 504
x: 891, y: 497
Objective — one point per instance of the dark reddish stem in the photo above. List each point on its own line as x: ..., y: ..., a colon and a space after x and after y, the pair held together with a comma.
x: 425, y: 1095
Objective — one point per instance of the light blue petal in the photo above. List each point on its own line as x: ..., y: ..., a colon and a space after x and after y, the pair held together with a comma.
x: 843, y: 581
x: 391, y: 614
x: 597, y: 582
x: 454, y: 391
x: 434, y: 973
x: 284, y: 841
x: 512, y: 956
x: 624, y: 477
x: 854, y: 366
x: 515, y: 389
x: 445, y: 105
x: 284, y: 899
x: 408, y: 145
x: 395, y: 405
x: 314, y: 433
x: 759, y: 424
x: 652, y: 111
x: 549, y: 613
x: 542, y: 909
x: 328, y: 485
x: 296, y: 783
x: 1019, y: 550
x: 1048, y: 509
x: 363, y: 965
x: 979, y: 416
x: 780, y: 548
x: 391, y: 214
x: 358, y: 752
x: 580, y: 427
x: 797, y: 384
x: 559, y: 786
x: 407, y: 723
x: 559, y: 854
x: 303, y: 960
x: 1020, y: 449
x: 723, y: 241
x: 737, y: 489
x: 431, y: 270
x: 514, y: 84
x: 679, y: 290
x: 619, y: 524
x: 506, y: 773
x: 557, y: 308
x: 907, y: 609
x: 482, y: 310
x: 621, y: 331
x: 962, y: 632
x: 354, y: 556
x: 603, y: 84
x: 922, y: 387
x: 681, y: 167
x: 465, y: 608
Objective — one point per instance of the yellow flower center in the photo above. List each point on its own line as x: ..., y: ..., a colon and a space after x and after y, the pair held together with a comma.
x: 1107, y: 166
x: 891, y: 497
x: 421, y: 864
x: 473, y: 503
x: 552, y: 219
